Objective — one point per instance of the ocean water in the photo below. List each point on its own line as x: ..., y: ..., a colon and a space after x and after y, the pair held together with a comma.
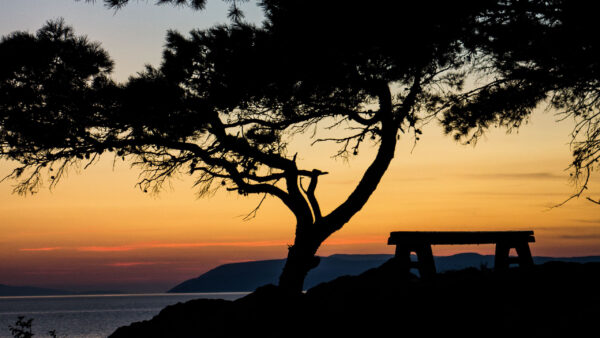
x: 90, y: 315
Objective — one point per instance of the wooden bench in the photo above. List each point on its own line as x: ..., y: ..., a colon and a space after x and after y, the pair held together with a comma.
x: 420, y: 243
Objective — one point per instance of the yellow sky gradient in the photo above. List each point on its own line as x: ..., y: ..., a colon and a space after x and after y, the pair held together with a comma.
x: 96, y: 229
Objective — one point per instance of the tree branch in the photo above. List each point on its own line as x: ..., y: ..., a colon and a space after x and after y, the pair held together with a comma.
x: 372, y: 176
x: 310, y: 194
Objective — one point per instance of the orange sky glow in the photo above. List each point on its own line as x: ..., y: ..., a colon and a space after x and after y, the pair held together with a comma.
x: 97, y: 230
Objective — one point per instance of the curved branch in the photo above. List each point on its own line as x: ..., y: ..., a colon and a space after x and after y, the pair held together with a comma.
x: 364, y: 121
x: 310, y: 194
x: 241, y: 146
x: 279, y: 125
x: 593, y: 201
x: 372, y: 176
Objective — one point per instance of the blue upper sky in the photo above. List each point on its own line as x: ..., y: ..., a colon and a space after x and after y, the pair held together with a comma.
x: 133, y: 35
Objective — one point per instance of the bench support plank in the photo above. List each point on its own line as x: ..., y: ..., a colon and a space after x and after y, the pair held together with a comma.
x: 524, y: 253
x: 426, y: 263
x: 501, y: 258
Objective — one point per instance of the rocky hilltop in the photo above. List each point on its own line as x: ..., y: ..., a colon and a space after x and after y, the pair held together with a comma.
x: 556, y: 299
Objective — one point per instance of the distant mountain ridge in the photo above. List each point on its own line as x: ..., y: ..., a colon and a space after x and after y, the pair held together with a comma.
x: 247, y: 276
x: 25, y: 291
x: 7, y: 291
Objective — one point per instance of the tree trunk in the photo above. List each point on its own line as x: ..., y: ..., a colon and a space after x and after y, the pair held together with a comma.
x: 301, y: 259
x: 309, y: 236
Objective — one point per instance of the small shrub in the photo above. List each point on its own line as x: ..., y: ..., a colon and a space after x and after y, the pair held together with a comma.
x: 22, y: 328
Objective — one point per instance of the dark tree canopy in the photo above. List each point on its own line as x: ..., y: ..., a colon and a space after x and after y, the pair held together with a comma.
x: 224, y: 102
x: 50, y: 93
x: 542, y: 51
x: 235, y: 13
x: 195, y: 4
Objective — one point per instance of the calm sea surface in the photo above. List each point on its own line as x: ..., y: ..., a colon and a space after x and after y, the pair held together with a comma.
x: 90, y: 315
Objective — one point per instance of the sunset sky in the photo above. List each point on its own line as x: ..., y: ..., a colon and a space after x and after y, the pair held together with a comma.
x: 96, y: 230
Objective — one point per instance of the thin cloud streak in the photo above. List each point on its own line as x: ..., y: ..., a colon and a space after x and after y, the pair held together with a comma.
x: 590, y: 221
x: 518, y: 176
x: 130, y: 264
x: 356, y: 241
x: 565, y: 228
x: 178, y: 245
x: 219, y: 244
x: 154, y: 245
x: 511, y: 194
x: 582, y: 237
x: 42, y: 249
x: 105, y: 248
x: 209, y: 244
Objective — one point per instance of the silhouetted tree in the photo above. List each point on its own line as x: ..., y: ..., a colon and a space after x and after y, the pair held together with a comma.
x: 225, y: 101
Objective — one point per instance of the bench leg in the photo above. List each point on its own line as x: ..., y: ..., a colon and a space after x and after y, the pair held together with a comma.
x: 426, y: 262
x: 501, y: 257
x: 525, y: 258
x: 402, y: 259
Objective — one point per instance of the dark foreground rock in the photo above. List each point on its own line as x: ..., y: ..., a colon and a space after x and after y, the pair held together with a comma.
x: 550, y: 300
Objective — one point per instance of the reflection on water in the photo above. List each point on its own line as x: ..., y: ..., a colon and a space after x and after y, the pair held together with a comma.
x: 90, y: 315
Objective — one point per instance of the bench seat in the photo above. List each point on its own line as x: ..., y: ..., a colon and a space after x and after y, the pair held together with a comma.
x: 420, y: 243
